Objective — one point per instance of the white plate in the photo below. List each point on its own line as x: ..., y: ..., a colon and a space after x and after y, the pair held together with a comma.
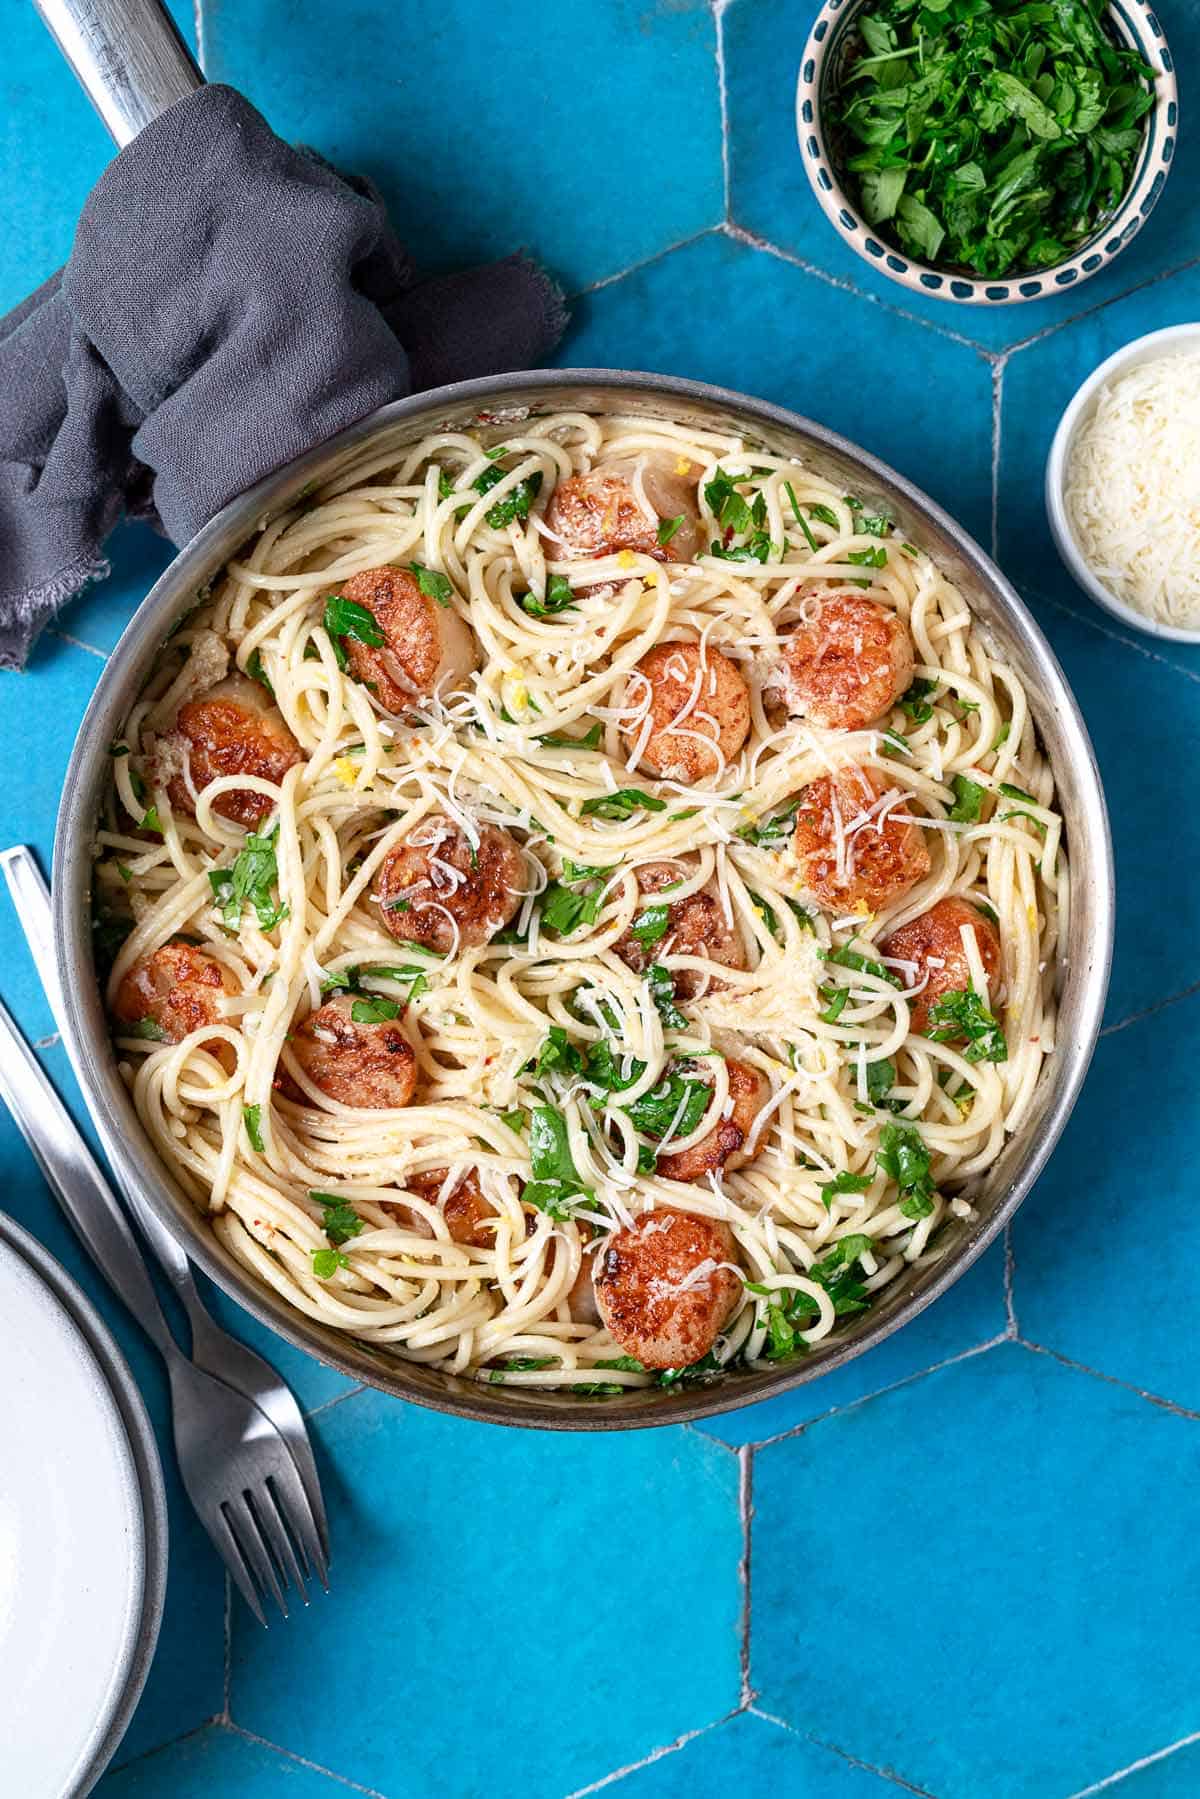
x: 72, y: 1552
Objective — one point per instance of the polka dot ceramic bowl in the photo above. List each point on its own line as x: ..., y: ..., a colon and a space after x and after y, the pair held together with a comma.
x: 820, y: 73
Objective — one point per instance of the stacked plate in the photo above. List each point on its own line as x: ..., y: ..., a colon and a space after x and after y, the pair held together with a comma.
x: 83, y: 1531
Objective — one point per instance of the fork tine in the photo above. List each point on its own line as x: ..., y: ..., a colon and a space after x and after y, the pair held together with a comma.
x: 293, y: 1504
x: 244, y: 1527
x: 262, y: 1504
x: 226, y: 1546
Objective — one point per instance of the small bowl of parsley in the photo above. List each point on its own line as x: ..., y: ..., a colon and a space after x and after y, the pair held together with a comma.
x: 987, y: 151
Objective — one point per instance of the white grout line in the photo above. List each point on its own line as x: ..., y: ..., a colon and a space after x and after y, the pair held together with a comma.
x: 1105, y: 624
x: 964, y: 1355
x: 302, y: 1761
x: 751, y: 239
x: 1010, y: 1271
x: 997, y: 404
x: 855, y: 1761
x: 65, y: 637
x: 327, y: 1405
x: 48, y: 1042
x: 719, y: 9
x: 1112, y: 1380
x: 1087, y: 312
x: 1172, y: 999
x: 198, y: 16
x: 655, y: 1755
x: 1146, y: 1761
x: 644, y: 262
x: 746, y: 1513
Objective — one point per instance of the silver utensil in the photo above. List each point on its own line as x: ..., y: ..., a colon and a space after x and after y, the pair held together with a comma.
x: 213, y: 1349
x: 236, y: 1468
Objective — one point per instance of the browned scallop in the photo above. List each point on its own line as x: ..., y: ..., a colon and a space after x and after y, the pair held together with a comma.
x: 178, y: 989
x: 435, y: 890
x: 371, y: 1066
x: 466, y: 1211
x: 696, y: 926
x: 728, y: 1145
x: 428, y: 647
x: 690, y: 712
x: 599, y: 514
x: 664, y: 1289
x: 849, y: 665
x: 233, y: 729
x: 854, y: 853
x: 933, y: 943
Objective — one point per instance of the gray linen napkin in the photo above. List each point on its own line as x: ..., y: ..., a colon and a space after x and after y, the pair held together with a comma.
x: 229, y: 302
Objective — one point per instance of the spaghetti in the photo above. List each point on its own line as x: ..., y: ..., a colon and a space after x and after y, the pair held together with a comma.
x: 561, y: 1063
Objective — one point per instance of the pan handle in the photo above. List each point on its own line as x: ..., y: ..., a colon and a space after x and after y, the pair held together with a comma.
x: 128, y: 56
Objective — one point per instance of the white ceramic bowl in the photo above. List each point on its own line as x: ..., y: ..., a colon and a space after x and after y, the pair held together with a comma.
x: 1142, y: 349
x: 1136, y: 26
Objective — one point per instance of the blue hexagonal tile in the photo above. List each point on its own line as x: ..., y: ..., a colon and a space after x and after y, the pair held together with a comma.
x: 721, y: 311
x: 470, y: 1556
x: 219, y: 1761
x: 52, y: 149
x: 770, y: 195
x: 971, y: 1313
x: 1143, y: 715
x: 751, y: 1754
x: 981, y: 1605
x: 1078, y: 1240
x: 591, y: 133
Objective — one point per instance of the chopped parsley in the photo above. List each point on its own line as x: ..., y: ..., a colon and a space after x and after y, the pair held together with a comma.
x: 990, y: 136
x: 844, y: 1182
x: 676, y: 1097
x: 556, y: 1180
x: 662, y: 991
x: 961, y: 1016
x: 559, y: 596
x: 968, y: 800
x: 256, y: 672
x: 251, y: 879
x: 667, y: 528
x: 340, y: 1221
x: 651, y: 925
x: 252, y: 1119
x: 516, y: 503
x: 622, y: 804
x: 375, y: 1011
x: 771, y: 830
x: 589, y: 741
x: 433, y: 585
x: 346, y: 618
x: 149, y: 1029
x: 845, y: 957
x: 916, y: 701
x: 903, y: 1158
x: 326, y: 1262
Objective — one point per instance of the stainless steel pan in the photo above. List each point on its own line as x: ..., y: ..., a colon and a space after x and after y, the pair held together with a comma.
x: 1083, y: 969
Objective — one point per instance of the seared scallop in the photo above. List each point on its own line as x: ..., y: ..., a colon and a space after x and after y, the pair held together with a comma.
x: 175, y: 990
x: 600, y: 513
x: 854, y: 853
x: 370, y: 1066
x: 689, y: 712
x: 436, y: 889
x: 695, y: 926
x: 233, y: 729
x: 933, y: 944
x: 428, y: 647
x: 847, y: 666
x: 728, y: 1145
x: 466, y: 1211
x: 665, y: 1289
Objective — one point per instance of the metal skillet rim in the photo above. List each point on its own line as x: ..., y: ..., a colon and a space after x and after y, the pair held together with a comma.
x: 133, y: 1159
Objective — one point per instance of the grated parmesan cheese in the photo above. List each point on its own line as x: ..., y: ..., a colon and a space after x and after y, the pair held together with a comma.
x: 1132, y: 488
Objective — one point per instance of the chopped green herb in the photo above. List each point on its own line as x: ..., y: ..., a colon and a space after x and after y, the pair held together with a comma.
x: 675, y: 1098
x: 843, y: 1182
x: 340, y: 1221
x: 589, y: 741
x: 256, y: 671
x: 916, y: 701
x: 962, y: 1016
x: 433, y: 585
x: 516, y: 1120
x: 992, y: 136
x: 968, y: 800
x: 835, y: 1003
x: 667, y: 528
x: 252, y: 1119
x: 651, y: 925
x: 622, y: 804
x: 346, y: 618
x: 773, y: 829
x: 374, y: 1011
x: 559, y: 596
x: 845, y: 957
x: 903, y: 1158
x: 151, y: 822
x: 149, y: 1029
x: 881, y: 1078
x: 825, y: 516
x: 662, y: 990
x: 896, y: 743
x: 516, y: 503
x: 326, y: 1262
x: 253, y: 875
x: 555, y: 1178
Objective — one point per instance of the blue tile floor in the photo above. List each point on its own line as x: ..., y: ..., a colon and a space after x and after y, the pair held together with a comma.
x: 963, y: 1566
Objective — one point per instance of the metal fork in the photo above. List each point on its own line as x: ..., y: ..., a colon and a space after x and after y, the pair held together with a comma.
x: 212, y: 1348
x: 236, y: 1468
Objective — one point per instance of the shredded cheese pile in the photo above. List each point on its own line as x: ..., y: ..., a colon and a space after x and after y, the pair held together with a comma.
x: 1133, y: 488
